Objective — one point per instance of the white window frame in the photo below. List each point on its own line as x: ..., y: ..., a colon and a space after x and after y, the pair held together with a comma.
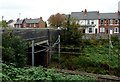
x: 30, y: 25
x: 24, y: 25
x: 107, y: 21
x: 116, y: 28
x: 111, y: 21
x: 102, y: 23
x: 102, y: 30
x: 34, y: 25
x: 19, y: 25
x: 91, y: 30
x: 92, y: 22
x: 115, y: 21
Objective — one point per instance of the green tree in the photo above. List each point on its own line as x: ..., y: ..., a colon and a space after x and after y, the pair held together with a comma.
x: 56, y: 20
x: 4, y: 23
x: 71, y: 35
x: 13, y: 49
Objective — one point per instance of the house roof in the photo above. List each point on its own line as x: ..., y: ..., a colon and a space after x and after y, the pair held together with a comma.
x: 89, y: 15
x: 32, y: 20
x: 108, y: 16
x: 28, y: 21
x: 19, y: 22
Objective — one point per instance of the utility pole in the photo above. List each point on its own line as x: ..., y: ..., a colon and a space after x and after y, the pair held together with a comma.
x: 59, y: 48
x: 19, y: 15
x: 2, y: 20
x: 33, y: 53
x: 109, y: 51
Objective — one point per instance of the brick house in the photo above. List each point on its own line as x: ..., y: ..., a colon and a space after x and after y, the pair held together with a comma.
x: 108, y: 23
x: 30, y: 23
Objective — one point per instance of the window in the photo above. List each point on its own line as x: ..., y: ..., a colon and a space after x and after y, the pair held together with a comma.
x: 88, y: 21
x: 102, y: 30
x: 19, y: 25
x: 111, y: 21
x: 92, y: 22
x: 30, y: 25
x: 107, y: 22
x: 16, y: 26
x: 116, y: 21
x: 79, y: 21
x: 107, y: 30
x: 24, y: 25
x: 102, y: 22
x: 90, y: 30
x: 116, y: 30
x: 34, y: 25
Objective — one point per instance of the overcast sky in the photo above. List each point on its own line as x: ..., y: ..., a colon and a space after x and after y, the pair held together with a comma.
x: 10, y: 9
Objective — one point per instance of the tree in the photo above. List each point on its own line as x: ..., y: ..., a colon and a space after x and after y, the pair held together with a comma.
x: 4, y: 23
x: 45, y: 24
x: 56, y: 20
x: 70, y: 34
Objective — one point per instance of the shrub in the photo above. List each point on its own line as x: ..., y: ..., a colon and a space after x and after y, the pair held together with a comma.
x: 13, y: 49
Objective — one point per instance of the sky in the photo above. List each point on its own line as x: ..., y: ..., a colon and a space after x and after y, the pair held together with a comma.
x: 13, y: 9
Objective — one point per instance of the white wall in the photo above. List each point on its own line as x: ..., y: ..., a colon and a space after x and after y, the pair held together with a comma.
x: 85, y: 22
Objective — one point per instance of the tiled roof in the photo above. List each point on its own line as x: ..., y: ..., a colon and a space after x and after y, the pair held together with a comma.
x: 19, y: 22
x: 108, y: 16
x: 28, y: 21
x: 80, y: 15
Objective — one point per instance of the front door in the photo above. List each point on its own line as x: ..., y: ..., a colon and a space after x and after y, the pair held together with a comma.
x: 96, y: 31
x: 111, y: 30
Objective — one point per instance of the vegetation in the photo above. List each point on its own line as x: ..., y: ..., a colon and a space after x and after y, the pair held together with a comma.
x: 36, y: 73
x: 13, y: 49
x: 93, y: 57
x: 56, y: 20
x: 4, y: 23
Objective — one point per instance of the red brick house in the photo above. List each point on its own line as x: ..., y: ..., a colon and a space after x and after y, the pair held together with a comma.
x: 108, y: 23
x: 30, y: 23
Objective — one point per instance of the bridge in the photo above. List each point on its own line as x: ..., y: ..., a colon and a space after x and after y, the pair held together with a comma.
x: 43, y: 39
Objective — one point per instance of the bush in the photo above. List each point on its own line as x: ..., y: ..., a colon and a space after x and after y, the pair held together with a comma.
x: 13, y: 49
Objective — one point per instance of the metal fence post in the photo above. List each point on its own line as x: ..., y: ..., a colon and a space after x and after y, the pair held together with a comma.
x: 33, y: 53
x: 59, y: 48
x: 109, y: 50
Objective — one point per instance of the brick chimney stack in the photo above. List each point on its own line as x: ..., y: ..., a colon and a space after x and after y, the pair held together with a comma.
x: 98, y: 12
x: 41, y: 18
x: 18, y: 19
x: 85, y: 12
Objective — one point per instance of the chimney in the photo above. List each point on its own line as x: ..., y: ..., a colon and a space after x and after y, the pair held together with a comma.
x: 98, y: 12
x: 41, y: 18
x: 18, y: 19
x: 85, y: 12
x: 30, y: 18
x: 82, y: 10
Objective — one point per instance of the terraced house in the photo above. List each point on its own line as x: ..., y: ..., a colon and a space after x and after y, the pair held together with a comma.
x: 95, y: 22
x: 30, y: 23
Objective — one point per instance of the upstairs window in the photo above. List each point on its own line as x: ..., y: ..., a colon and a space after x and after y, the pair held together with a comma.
x: 111, y: 21
x: 116, y: 21
x: 34, y: 25
x: 102, y: 30
x: 19, y: 25
x: 88, y: 21
x: 92, y: 22
x: 107, y: 22
x: 24, y: 25
x: 30, y: 25
x: 102, y: 22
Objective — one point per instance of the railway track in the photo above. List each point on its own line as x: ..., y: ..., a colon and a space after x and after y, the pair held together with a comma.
x: 101, y: 78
